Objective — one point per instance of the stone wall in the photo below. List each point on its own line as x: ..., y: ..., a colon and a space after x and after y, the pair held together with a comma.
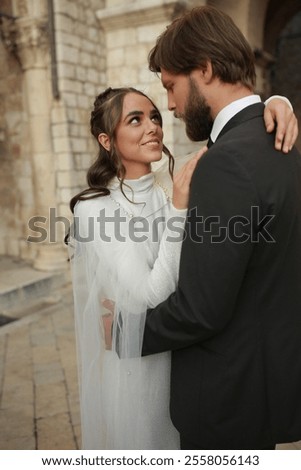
x: 81, y: 63
x: 131, y: 30
x: 45, y: 141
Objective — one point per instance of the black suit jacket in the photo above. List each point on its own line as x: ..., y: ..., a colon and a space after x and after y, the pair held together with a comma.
x: 234, y: 323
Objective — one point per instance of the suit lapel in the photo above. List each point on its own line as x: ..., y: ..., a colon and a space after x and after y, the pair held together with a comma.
x: 250, y: 112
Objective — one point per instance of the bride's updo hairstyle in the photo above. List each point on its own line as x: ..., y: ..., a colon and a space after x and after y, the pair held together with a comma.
x: 105, y: 118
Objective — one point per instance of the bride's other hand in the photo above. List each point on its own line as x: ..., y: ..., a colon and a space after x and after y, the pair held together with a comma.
x: 181, y: 181
x: 109, y: 305
x: 107, y: 322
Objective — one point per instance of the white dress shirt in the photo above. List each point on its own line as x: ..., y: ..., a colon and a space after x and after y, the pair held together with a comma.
x: 229, y: 111
x: 235, y: 107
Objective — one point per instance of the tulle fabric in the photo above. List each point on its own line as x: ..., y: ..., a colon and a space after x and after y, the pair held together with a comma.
x: 124, y: 397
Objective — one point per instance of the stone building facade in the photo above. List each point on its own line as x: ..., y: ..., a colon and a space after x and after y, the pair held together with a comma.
x: 57, y: 55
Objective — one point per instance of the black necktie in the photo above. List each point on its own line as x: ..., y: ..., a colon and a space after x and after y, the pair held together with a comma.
x: 209, y: 143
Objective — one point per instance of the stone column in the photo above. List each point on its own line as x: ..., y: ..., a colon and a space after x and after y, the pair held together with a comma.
x: 30, y: 39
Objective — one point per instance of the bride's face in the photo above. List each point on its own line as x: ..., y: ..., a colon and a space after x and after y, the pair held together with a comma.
x: 139, y: 135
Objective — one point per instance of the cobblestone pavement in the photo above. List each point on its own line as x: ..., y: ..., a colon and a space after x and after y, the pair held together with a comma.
x: 38, y: 379
x: 39, y: 403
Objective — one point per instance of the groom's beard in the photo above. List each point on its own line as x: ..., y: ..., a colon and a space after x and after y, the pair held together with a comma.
x: 197, y: 116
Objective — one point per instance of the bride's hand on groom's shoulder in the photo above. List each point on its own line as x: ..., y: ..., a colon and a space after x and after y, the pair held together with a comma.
x: 181, y: 181
x: 280, y: 116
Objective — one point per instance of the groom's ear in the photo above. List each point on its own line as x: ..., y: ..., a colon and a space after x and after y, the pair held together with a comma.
x: 104, y: 140
x: 205, y: 72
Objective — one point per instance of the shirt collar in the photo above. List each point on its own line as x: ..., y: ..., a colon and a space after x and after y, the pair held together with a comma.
x: 229, y: 111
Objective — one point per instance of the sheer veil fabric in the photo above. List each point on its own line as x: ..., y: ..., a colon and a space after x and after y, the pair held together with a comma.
x: 124, y: 397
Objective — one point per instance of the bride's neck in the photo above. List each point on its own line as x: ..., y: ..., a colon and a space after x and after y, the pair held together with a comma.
x: 136, y: 172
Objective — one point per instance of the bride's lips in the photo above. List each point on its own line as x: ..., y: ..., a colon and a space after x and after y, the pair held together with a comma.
x: 152, y: 143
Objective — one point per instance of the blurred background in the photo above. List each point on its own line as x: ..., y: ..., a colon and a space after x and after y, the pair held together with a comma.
x: 55, y: 57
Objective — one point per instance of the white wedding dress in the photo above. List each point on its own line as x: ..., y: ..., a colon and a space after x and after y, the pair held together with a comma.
x: 127, y: 253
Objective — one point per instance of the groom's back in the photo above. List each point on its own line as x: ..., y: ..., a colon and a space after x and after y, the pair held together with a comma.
x: 250, y: 378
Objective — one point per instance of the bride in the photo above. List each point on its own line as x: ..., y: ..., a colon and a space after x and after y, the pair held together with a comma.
x: 125, y: 250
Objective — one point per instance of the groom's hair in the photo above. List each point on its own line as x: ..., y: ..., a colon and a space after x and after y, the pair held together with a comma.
x: 200, y: 35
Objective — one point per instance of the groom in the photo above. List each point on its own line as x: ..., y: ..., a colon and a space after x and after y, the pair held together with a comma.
x: 233, y: 324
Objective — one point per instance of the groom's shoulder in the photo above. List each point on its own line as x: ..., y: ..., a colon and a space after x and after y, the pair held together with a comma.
x: 246, y: 140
